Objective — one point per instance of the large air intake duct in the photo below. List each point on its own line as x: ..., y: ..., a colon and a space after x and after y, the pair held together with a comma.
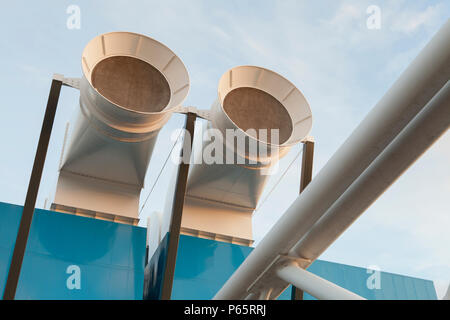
x: 221, y: 197
x: 130, y: 86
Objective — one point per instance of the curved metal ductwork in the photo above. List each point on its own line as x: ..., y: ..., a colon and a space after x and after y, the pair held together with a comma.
x: 130, y: 86
x: 221, y: 197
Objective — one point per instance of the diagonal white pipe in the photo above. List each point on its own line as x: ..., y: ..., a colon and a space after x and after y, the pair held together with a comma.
x: 316, y: 286
x: 413, y: 141
x: 426, y: 75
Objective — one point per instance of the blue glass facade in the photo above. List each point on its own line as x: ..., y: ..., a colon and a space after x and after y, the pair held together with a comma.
x: 204, y: 265
x: 110, y: 256
x: 111, y: 260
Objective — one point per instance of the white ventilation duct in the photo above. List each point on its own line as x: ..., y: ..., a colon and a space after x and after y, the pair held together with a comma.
x: 221, y: 197
x: 130, y: 86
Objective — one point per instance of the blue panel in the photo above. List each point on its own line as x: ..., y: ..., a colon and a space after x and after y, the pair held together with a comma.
x: 155, y: 270
x: 9, y: 225
x: 392, y: 286
x: 203, y: 266
x: 110, y: 256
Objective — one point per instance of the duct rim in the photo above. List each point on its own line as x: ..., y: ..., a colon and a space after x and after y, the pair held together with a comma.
x: 145, y: 49
x: 255, y: 77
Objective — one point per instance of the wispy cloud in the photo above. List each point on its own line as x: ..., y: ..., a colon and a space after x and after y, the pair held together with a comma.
x: 410, y: 21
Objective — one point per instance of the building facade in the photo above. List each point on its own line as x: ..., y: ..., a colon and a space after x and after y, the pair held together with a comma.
x: 74, y: 257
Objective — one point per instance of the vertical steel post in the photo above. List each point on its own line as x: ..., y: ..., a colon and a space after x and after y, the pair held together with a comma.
x: 177, y: 208
x: 33, y: 188
x: 305, y: 179
x: 307, y: 164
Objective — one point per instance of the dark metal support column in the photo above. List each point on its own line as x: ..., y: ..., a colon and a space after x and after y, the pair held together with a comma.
x: 307, y: 164
x: 177, y: 208
x: 33, y: 188
x: 305, y: 179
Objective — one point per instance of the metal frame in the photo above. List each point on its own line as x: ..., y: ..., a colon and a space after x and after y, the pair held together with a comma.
x: 305, y: 179
x: 177, y: 208
x: 33, y: 189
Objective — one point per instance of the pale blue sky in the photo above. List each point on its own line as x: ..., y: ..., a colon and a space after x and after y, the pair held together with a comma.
x: 324, y: 47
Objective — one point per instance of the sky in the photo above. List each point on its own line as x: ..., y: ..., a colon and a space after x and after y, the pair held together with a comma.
x: 324, y: 47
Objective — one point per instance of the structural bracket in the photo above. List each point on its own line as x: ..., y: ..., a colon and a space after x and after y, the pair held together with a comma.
x: 68, y: 82
x: 269, y: 279
x: 204, y: 114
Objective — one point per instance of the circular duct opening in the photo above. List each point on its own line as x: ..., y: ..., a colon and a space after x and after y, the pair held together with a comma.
x: 131, y: 83
x: 251, y: 108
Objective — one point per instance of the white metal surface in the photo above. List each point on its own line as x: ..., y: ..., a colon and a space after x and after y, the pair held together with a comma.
x: 217, y: 218
x: 154, y: 234
x: 237, y: 184
x: 447, y: 295
x: 230, y: 192
x: 426, y: 75
x: 110, y: 147
x: 314, y: 285
x: 265, y: 295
